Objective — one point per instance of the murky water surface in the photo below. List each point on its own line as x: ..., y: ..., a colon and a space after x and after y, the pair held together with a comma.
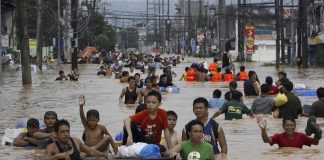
x: 243, y: 136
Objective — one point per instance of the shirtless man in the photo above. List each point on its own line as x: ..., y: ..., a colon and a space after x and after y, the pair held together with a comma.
x: 67, y: 147
x: 148, y: 88
x: 95, y: 135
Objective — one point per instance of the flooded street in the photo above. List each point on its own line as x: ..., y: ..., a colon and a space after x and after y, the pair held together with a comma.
x: 243, y: 136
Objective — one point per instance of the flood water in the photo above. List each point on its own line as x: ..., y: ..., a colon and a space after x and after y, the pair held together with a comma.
x: 243, y: 136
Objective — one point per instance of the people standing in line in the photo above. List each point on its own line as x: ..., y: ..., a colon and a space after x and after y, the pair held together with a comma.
x: 213, y: 132
x: 263, y: 104
x: 251, y: 86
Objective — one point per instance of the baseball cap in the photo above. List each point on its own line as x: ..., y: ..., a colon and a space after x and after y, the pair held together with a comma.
x: 33, y: 121
x: 50, y: 113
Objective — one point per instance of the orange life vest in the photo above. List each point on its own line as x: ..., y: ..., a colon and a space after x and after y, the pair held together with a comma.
x: 191, y: 75
x: 217, y: 77
x: 243, y: 76
x: 228, y: 77
x: 213, y: 67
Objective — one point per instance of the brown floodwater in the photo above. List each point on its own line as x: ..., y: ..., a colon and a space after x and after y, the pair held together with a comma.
x: 243, y: 136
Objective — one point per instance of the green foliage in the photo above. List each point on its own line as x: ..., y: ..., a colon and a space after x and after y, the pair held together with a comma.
x: 101, y: 34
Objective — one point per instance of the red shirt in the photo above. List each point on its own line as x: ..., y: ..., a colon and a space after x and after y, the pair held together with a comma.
x: 151, y: 128
x: 298, y: 141
x: 273, y: 90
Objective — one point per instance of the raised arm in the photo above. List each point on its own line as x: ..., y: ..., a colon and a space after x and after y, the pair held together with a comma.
x: 82, y: 116
x: 263, y: 125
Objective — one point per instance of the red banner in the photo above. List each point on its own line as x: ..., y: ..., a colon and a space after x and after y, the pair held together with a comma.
x: 249, y: 35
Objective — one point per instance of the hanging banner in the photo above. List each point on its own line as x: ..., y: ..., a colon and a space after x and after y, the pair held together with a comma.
x: 249, y: 35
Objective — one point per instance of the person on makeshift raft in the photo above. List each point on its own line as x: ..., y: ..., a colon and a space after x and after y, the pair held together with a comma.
x: 25, y: 139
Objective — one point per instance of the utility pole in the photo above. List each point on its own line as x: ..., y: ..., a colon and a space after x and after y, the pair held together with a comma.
x: 0, y: 41
x: 282, y: 35
x: 58, y: 32
x: 292, y: 34
x: 222, y: 25
x: 147, y: 21
x: 23, y: 42
x: 67, y: 31
x: 304, y: 45
x: 160, y: 38
x: 277, y: 33
x: 189, y: 23
x: 74, y: 25
x: 39, y: 34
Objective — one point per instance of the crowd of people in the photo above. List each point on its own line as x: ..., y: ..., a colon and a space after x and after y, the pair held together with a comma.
x: 201, y: 138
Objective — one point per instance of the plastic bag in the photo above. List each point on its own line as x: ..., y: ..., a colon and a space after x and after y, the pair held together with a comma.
x: 150, y: 151
x: 281, y: 99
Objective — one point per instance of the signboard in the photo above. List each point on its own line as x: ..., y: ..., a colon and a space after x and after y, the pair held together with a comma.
x: 249, y: 35
x: 32, y: 47
x: 32, y: 44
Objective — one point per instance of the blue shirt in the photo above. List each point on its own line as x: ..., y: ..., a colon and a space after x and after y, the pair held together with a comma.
x: 216, y: 102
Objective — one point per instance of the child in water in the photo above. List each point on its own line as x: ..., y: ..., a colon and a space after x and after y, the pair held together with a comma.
x: 95, y: 135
